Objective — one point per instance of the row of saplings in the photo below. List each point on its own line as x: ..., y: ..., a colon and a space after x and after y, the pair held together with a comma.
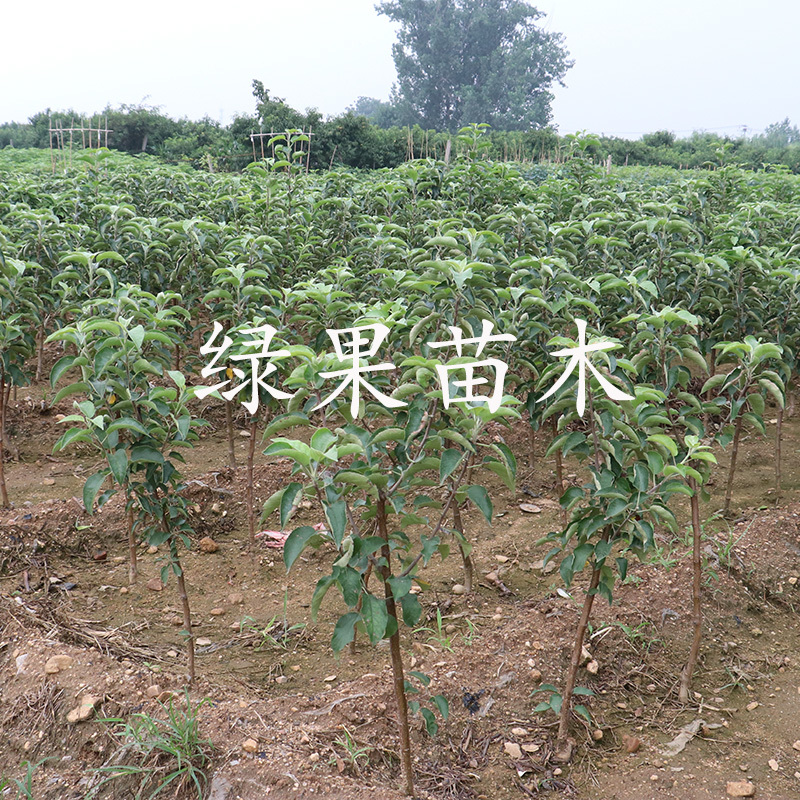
x: 374, y: 474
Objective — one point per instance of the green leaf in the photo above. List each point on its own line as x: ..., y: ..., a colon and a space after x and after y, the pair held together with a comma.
x: 480, y: 497
x: 430, y: 721
x: 322, y: 440
x: 430, y: 545
x: 59, y: 368
x: 146, y: 454
x: 72, y: 435
x: 424, y: 679
x: 770, y: 386
x: 127, y: 424
x: 272, y: 503
x: 320, y: 590
x: 287, y: 501
x: 344, y: 631
x: 440, y: 701
x: 567, y: 569
x: 295, y: 543
x: 178, y: 378
x: 756, y: 403
x: 118, y: 461
x: 641, y: 476
x: 137, y: 336
x: 412, y: 609
x: 375, y: 616
x: 713, y: 382
x: 91, y: 488
x: 509, y: 459
x: 72, y: 388
x: 580, y: 555
x: 400, y: 585
x: 451, y: 458
x: 665, y: 441
x: 389, y: 435
x: 337, y: 517
x: 602, y: 549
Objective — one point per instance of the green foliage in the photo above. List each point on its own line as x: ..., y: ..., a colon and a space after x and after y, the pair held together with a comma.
x: 554, y: 701
x: 157, y: 756
x: 354, y: 753
x: 23, y: 785
x: 127, y: 264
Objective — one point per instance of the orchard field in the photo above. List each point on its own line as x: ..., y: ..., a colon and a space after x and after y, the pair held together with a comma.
x: 398, y: 591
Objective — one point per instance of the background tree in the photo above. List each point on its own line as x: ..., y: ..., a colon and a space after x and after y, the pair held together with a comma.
x: 461, y: 61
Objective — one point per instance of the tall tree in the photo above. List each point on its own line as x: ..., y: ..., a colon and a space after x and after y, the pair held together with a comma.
x: 461, y: 61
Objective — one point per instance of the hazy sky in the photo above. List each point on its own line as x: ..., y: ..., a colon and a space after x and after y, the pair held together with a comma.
x: 640, y: 65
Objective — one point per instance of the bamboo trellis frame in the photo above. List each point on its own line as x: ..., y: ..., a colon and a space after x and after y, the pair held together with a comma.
x: 272, y: 134
x: 63, y: 147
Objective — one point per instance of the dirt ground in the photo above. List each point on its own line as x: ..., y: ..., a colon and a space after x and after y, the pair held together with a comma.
x: 270, y: 676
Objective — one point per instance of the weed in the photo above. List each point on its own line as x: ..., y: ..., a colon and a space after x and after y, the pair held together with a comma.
x: 24, y: 785
x: 439, y: 634
x: 555, y: 701
x: 157, y: 754
x: 472, y: 632
x: 643, y: 636
x: 663, y: 557
x: 274, y: 635
x: 353, y: 752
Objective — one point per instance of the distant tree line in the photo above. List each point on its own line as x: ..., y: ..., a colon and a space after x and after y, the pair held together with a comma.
x: 366, y: 137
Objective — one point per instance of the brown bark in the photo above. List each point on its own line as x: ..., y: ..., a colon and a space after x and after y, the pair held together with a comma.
x: 39, y: 351
x: 187, y: 623
x: 397, y: 656
x: 531, y: 446
x: 251, y: 516
x: 132, y: 567
x: 697, y: 610
x: 3, y: 491
x: 778, y: 441
x: 575, y: 661
x: 465, y: 557
x: 737, y: 432
x: 229, y: 428
x: 559, y: 472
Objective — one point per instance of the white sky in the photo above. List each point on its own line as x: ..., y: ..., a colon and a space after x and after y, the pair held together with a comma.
x: 641, y: 65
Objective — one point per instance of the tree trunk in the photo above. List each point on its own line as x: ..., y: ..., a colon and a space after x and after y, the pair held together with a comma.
x: 187, y: 622
x: 575, y: 661
x: 731, y: 472
x: 697, y: 610
x: 778, y: 440
x: 465, y: 556
x: 531, y: 446
x: 359, y: 604
x: 559, y: 463
x: 229, y: 427
x: 560, y: 471
x: 397, y: 656
x: 251, y: 516
x: 3, y: 491
x: 132, y: 567
x: 39, y: 351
